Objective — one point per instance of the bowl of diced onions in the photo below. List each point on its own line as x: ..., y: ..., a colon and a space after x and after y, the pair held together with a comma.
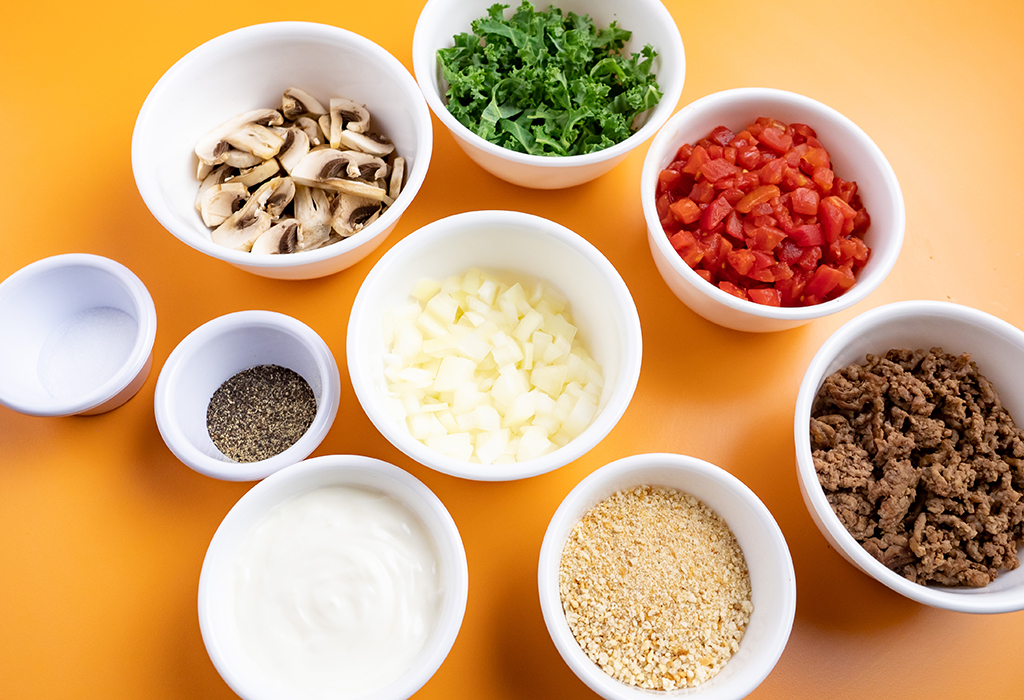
x: 494, y: 345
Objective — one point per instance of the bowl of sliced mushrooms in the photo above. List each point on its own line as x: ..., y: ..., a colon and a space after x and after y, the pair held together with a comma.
x: 288, y: 149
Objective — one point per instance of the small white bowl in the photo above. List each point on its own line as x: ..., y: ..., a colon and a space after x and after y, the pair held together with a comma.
x: 772, y: 579
x: 248, y: 69
x: 217, y: 351
x: 998, y: 349
x: 218, y: 620
x: 854, y: 156
x: 525, y: 246
x: 650, y: 22
x: 54, y: 318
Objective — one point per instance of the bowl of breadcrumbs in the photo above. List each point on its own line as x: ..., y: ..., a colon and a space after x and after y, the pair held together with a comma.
x: 664, y: 573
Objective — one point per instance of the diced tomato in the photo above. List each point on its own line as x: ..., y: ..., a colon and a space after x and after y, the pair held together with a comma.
x: 768, y: 297
x: 706, y: 274
x: 689, y: 249
x: 721, y: 135
x: 668, y: 179
x: 715, y: 213
x: 734, y: 225
x: 807, y: 235
x: 758, y: 195
x: 685, y: 210
x: 730, y: 288
x: 822, y: 281
x: 823, y: 178
x: 684, y: 152
x: 767, y: 237
x: 718, y: 168
x: 748, y: 157
x: 776, y: 139
x: 805, y: 201
x: 703, y: 192
x: 771, y: 171
x: 809, y: 259
x: 803, y: 131
x: 698, y: 157
x: 729, y: 153
x: 781, y: 271
x: 788, y: 252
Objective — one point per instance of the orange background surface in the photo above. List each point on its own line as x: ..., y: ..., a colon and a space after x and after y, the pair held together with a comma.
x: 103, y: 531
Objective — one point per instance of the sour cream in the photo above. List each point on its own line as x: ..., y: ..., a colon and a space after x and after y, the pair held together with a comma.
x: 337, y: 591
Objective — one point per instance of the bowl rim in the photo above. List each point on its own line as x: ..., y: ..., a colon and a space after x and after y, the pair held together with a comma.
x: 141, y: 350
x: 948, y: 598
x: 147, y: 181
x: 171, y: 373
x: 664, y: 141
x: 424, y: 65
x: 550, y: 557
x: 456, y: 594
x: 399, y: 436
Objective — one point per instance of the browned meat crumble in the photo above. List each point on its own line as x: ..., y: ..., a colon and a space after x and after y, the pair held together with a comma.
x: 923, y: 465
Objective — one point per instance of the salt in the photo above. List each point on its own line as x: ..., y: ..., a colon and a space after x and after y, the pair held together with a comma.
x: 85, y: 351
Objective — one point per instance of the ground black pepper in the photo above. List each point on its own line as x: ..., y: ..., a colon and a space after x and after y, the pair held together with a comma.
x: 260, y: 412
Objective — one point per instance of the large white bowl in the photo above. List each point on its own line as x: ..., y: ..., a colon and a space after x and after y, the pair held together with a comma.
x: 772, y: 579
x: 523, y: 246
x: 650, y: 23
x: 218, y: 620
x: 218, y: 350
x: 854, y: 157
x: 248, y: 69
x: 998, y: 349
x: 38, y: 300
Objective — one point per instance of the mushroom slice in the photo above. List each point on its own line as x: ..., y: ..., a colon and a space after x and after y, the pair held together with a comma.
x: 257, y: 174
x: 311, y: 129
x: 351, y: 213
x: 256, y: 139
x: 212, y: 147
x: 297, y: 102
x: 295, y: 148
x: 313, y: 211
x: 218, y: 175
x: 282, y: 237
x: 346, y: 114
x: 280, y: 198
x: 324, y: 123
x: 241, y: 159
x: 372, y: 143
x: 397, y: 174
x: 203, y: 170
x: 338, y: 170
x: 221, y: 201
x: 242, y: 228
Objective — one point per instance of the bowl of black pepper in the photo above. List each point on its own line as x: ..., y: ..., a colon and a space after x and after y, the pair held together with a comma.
x: 247, y: 394
x: 909, y: 458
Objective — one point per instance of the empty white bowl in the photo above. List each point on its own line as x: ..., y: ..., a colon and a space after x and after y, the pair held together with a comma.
x: 772, y: 579
x: 218, y: 615
x: 996, y: 347
x: 249, y: 69
x: 515, y: 245
x: 220, y: 349
x: 854, y: 157
x: 79, y: 332
x: 650, y: 22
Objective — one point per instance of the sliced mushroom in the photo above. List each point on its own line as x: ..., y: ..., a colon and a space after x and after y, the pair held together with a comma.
x: 216, y: 177
x: 296, y: 146
x: 351, y: 213
x: 203, y: 170
x: 221, y: 201
x: 342, y: 171
x: 257, y: 174
x: 371, y: 143
x: 324, y: 123
x: 256, y: 139
x: 346, y: 114
x: 313, y: 211
x: 213, y: 149
x: 281, y: 198
x: 241, y: 159
x: 311, y: 129
x: 242, y: 228
x: 397, y: 174
x: 282, y: 237
x: 297, y: 102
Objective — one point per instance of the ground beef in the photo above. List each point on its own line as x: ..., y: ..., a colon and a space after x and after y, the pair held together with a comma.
x: 923, y: 465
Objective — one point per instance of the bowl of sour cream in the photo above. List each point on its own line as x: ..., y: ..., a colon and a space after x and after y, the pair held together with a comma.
x: 341, y: 576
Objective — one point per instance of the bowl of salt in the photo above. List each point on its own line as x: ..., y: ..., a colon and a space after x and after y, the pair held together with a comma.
x: 79, y: 332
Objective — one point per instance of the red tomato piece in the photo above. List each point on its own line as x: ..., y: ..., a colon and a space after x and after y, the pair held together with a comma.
x: 741, y: 260
x: 748, y: 157
x: 685, y: 210
x: 668, y: 180
x: 715, y: 213
x: 771, y: 171
x: 730, y: 288
x: 822, y: 281
x: 689, y: 249
x: 759, y: 195
x: 721, y: 135
x: 718, y: 168
x: 804, y: 201
x: 776, y: 139
x: 807, y: 235
x: 703, y: 192
x: 809, y: 259
x: 698, y: 157
x: 767, y: 237
x: 768, y: 297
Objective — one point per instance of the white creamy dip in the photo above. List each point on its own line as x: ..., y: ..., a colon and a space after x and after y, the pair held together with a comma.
x: 338, y: 590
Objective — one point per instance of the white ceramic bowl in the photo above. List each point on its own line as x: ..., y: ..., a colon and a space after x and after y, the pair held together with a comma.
x: 854, y: 157
x: 248, y: 69
x: 523, y: 246
x: 998, y: 349
x: 217, y: 612
x: 650, y: 23
x: 772, y: 579
x: 220, y: 349
x: 62, y: 330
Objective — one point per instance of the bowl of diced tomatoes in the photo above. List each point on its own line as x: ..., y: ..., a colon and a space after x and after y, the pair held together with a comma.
x: 766, y: 209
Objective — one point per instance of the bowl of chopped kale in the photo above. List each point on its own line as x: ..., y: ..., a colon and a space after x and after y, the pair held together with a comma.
x: 549, y: 98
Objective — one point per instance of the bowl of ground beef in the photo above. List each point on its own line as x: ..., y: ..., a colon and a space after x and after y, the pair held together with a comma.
x: 909, y: 457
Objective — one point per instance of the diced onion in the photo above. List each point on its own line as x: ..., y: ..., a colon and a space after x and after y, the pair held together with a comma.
x: 488, y: 372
